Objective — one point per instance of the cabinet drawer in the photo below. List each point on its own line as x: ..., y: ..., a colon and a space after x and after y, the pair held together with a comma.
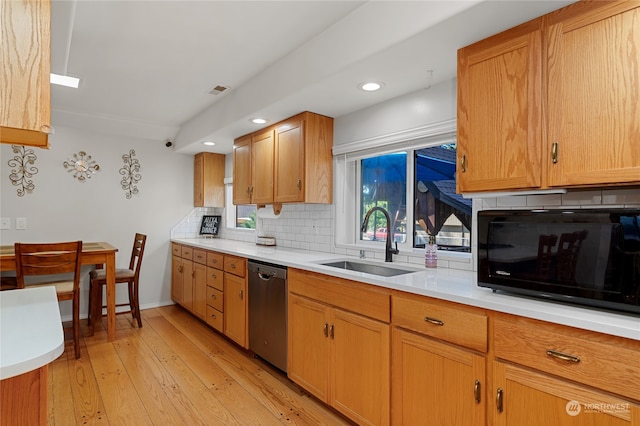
x: 214, y: 298
x: 215, y: 278
x: 200, y: 256
x: 235, y: 265
x: 605, y: 362
x: 215, y: 260
x: 176, y: 249
x: 187, y: 252
x: 444, y: 321
x: 215, y: 318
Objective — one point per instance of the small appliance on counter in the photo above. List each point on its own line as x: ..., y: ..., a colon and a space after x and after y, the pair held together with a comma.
x: 265, y: 241
x: 583, y: 256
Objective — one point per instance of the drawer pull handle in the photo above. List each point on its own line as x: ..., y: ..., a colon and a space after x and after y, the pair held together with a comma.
x: 434, y: 321
x: 500, y: 400
x: 562, y: 356
x: 477, y: 391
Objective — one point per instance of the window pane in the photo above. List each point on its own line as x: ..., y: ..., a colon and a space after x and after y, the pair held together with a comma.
x: 246, y: 216
x: 384, y: 184
x: 439, y: 210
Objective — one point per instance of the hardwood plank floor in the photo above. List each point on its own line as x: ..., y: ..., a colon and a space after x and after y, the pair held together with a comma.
x: 174, y: 370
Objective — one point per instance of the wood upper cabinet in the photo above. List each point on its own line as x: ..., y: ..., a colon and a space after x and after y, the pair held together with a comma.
x: 262, y: 145
x: 289, y: 162
x: 552, y: 102
x: 593, y: 94
x: 339, y: 354
x: 208, y: 180
x: 500, y: 111
x: 25, y: 104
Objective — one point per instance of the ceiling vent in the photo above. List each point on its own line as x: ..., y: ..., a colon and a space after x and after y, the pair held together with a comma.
x: 217, y: 90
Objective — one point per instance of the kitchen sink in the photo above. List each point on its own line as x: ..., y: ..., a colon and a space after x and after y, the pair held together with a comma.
x: 369, y: 268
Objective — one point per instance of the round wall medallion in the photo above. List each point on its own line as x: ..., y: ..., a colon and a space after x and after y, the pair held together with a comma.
x: 82, y: 166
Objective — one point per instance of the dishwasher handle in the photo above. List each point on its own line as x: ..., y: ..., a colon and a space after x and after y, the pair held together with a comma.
x: 266, y: 277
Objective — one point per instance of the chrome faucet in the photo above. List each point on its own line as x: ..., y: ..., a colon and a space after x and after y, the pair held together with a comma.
x: 388, y: 250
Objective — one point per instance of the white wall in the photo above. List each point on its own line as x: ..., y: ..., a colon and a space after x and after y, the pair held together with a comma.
x: 62, y: 208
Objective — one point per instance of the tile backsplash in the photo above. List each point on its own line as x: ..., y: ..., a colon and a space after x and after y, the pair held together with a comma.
x: 311, y: 226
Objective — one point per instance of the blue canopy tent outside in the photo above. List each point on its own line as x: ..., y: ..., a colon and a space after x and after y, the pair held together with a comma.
x: 436, y: 198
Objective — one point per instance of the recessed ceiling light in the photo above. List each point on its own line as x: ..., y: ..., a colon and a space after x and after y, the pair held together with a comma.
x: 208, y: 143
x: 370, y: 86
x: 258, y: 120
x: 64, y: 80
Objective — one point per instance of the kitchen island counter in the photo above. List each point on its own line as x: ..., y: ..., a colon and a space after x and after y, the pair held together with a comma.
x: 441, y: 283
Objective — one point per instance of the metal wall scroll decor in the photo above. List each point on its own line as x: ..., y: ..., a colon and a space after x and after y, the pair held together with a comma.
x: 23, y: 169
x: 130, y: 175
x: 82, y: 166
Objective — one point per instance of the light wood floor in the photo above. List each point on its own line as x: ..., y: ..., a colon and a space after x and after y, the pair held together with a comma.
x: 173, y: 371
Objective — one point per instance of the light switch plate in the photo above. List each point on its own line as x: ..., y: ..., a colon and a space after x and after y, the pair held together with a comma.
x: 21, y: 223
x: 5, y: 223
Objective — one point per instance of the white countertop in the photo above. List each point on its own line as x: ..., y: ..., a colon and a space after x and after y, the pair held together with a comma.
x: 30, y: 330
x: 441, y: 283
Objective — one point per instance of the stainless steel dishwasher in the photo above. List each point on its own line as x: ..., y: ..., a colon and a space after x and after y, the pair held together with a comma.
x: 268, y: 312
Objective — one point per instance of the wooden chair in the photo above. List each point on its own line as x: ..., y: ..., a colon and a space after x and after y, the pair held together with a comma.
x: 53, y: 259
x: 131, y: 276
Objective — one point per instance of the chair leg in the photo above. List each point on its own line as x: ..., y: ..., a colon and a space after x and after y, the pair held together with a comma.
x: 89, y: 312
x: 137, y: 303
x: 76, y: 325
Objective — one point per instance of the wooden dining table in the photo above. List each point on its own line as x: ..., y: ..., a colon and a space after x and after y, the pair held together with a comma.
x: 93, y: 253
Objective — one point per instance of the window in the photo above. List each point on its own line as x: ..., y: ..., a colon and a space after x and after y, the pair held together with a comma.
x: 246, y: 216
x: 385, y: 180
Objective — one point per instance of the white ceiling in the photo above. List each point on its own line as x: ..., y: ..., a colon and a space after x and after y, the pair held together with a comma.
x: 146, y: 67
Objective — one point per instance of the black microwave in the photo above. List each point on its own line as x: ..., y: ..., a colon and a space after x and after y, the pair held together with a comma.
x: 583, y: 256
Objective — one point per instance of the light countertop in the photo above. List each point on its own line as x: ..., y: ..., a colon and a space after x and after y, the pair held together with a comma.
x: 441, y: 283
x: 31, y: 332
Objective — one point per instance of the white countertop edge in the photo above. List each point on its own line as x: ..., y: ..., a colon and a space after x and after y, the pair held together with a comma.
x: 442, y: 283
x: 28, y: 344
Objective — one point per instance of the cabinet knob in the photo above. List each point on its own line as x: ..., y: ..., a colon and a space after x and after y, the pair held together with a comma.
x: 213, y: 296
x: 213, y: 316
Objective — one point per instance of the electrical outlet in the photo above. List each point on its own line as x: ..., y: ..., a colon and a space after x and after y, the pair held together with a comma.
x: 21, y: 223
x: 5, y: 223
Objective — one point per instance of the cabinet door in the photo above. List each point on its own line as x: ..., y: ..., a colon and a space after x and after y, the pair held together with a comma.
x: 594, y: 93
x: 360, y: 378
x: 499, y: 111
x: 235, y: 309
x: 177, y: 274
x: 289, y: 162
x: 187, y: 284
x: 308, y: 345
x: 200, y: 290
x: 242, y: 170
x: 437, y: 381
x: 527, y: 398
x: 25, y: 104
x: 208, y: 180
x: 262, y: 161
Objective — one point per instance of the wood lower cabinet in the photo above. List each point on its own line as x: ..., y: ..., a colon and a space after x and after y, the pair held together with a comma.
x: 435, y: 380
x: 555, y: 375
x: 25, y: 104
x: 531, y: 398
x: 438, y: 362
x: 213, y: 287
x: 340, y: 356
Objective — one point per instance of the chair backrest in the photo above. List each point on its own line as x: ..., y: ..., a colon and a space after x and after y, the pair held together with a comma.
x: 136, y: 254
x: 48, y: 259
